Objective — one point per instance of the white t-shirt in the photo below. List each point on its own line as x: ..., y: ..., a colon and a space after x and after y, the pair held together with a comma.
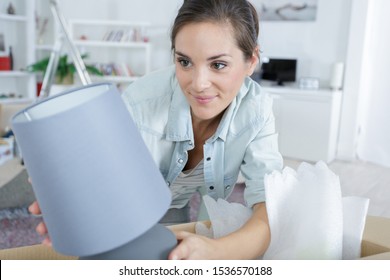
x: 185, y: 185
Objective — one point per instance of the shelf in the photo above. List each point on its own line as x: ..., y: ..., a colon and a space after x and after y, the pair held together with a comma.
x: 15, y: 74
x: 114, y: 44
x: 15, y: 100
x: 107, y: 22
x: 114, y: 79
x: 111, y: 44
x: 292, y: 92
x: 18, y: 85
x: 13, y: 17
x: 46, y: 47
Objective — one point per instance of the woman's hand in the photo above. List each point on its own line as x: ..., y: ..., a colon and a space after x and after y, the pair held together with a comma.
x: 196, y: 247
x: 248, y: 242
x: 41, y: 227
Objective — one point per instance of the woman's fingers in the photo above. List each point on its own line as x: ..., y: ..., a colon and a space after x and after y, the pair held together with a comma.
x: 47, y: 241
x: 41, y: 228
x: 34, y: 208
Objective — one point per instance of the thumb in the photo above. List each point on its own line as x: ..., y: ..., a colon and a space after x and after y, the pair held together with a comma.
x: 180, y: 235
x: 181, y: 251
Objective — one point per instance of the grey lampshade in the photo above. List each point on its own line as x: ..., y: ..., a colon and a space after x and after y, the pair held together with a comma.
x: 95, y: 180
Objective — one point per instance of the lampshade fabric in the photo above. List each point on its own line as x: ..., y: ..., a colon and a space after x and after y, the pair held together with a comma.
x: 95, y: 180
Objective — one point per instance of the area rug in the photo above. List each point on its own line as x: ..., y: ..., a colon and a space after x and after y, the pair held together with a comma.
x: 17, y: 228
x: 17, y: 225
x: 17, y: 192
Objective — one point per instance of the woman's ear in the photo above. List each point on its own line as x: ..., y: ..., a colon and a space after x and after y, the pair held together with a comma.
x: 253, y: 61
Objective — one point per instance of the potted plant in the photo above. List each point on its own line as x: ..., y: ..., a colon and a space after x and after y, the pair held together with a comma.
x: 65, y: 69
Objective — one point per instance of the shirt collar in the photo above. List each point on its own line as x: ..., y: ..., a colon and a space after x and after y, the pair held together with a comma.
x: 230, y: 112
x: 179, y: 126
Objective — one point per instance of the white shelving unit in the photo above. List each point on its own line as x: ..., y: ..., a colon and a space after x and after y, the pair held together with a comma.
x: 13, y: 17
x: 19, y: 33
x: 46, y: 33
x: 307, y: 122
x: 119, y: 48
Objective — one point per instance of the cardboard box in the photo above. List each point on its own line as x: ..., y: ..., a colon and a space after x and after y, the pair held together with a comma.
x: 375, y: 243
x: 6, y: 149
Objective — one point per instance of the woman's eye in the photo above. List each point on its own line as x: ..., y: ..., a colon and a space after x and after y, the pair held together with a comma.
x: 218, y: 65
x: 184, y: 62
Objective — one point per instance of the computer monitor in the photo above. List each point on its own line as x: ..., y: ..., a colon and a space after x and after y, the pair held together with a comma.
x: 278, y: 70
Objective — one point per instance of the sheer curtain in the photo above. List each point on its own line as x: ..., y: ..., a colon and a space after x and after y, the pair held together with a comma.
x: 374, y: 108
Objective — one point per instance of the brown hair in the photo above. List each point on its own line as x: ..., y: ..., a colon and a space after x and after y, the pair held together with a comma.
x: 240, y: 14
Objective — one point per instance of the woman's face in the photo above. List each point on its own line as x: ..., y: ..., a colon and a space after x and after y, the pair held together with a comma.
x: 210, y: 67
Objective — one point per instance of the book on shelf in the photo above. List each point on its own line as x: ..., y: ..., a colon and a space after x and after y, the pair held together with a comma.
x: 123, y: 35
x: 115, y: 36
x: 115, y: 69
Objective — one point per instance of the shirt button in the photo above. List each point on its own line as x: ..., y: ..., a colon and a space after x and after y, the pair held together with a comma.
x: 168, y: 183
x: 190, y: 143
x: 227, y: 187
x: 208, y: 159
x: 181, y: 160
x: 211, y: 187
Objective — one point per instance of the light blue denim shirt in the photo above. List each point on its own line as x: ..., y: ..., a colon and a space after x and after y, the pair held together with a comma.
x: 245, y: 139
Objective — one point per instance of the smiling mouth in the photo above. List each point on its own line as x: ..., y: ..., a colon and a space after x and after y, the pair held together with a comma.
x: 203, y: 99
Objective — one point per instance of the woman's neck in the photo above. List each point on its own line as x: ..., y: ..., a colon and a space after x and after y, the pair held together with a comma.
x: 204, y: 129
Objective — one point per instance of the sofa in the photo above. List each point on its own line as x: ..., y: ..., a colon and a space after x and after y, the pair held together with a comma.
x: 375, y: 243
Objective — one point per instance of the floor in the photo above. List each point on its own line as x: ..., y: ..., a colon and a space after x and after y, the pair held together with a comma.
x: 9, y: 170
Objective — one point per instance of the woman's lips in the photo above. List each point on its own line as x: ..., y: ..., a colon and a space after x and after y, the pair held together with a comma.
x: 204, y: 99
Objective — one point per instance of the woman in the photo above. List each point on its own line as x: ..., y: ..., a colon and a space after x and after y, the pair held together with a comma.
x: 204, y: 120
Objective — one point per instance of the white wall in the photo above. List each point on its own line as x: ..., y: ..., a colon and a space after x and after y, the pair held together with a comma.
x: 337, y: 35
x: 374, y: 114
x: 316, y: 44
x: 349, y: 124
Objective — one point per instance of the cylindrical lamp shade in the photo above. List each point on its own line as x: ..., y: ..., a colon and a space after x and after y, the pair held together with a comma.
x: 97, y: 184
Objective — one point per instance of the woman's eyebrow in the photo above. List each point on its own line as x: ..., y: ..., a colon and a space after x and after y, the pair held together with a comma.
x: 210, y: 58
x: 181, y: 54
x: 218, y: 56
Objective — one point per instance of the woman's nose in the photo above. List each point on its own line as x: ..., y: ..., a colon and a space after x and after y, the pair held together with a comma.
x: 200, y: 80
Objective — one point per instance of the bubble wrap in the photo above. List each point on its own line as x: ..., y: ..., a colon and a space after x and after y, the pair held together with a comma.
x: 225, y: 217
x: 308, y: 217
